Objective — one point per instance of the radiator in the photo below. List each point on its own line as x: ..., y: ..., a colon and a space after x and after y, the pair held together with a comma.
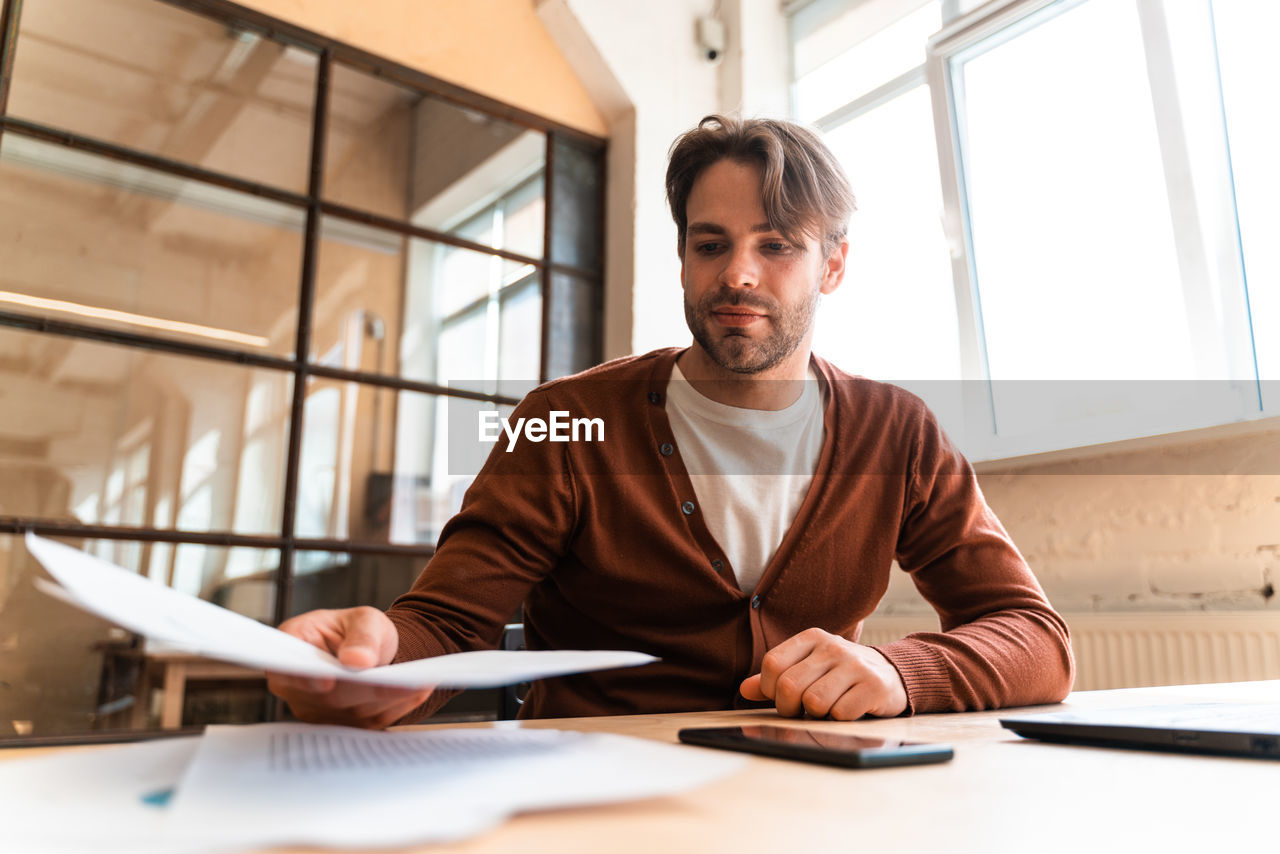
x: 1141, y: 649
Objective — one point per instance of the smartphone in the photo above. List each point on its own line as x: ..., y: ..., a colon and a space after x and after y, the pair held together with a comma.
x: 811, y: 745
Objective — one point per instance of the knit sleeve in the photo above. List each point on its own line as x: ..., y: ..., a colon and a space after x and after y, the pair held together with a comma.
x: 516, y: 520
x: 1001, y: 643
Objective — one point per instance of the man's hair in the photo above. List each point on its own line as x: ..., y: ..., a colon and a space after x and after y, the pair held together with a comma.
x: 804, y: 189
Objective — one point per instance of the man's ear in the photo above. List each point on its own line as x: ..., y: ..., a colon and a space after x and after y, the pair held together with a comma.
x: 834, y: 267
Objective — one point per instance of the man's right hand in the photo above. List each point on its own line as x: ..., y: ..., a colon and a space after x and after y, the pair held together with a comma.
x: 359, y: 638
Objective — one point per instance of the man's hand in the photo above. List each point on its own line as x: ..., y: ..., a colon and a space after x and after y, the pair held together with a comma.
x: 824, y: 675
x: 359, y: 637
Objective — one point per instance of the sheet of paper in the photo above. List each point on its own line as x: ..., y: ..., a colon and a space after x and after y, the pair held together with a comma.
x: 163, y: 614
x: 109, y: 800
x: 295, y: 784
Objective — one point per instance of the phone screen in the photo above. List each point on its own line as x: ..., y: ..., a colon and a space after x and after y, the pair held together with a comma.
x: 814, y: 745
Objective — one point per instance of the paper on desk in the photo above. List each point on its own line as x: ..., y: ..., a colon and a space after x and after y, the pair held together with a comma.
x: 93, y: 800
x: 296, y: 784
x: 163, y: 614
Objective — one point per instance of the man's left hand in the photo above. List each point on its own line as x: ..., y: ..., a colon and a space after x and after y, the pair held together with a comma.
x: 824, y: 675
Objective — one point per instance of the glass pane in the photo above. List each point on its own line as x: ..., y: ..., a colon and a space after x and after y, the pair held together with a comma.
x: 573, y: 334
x: 577, y: 233
x: 155, y: 78
x: 339, y: 580
x: 406, y: 155
x: 114, y: 435
x: 1055, y: 267
x: 520, y: 330
x: 69, y: 673
x: 859, y: 63
x: 1250, y: 79
x: 380, y: 465
x: 522, y: 212
x: 367, y: 148
x: 358, y: 291
x: 470, y: 168
x: 459, y: 451
x: 898, y: 283
x: 1077, y: 266
x: 451, y: 301
x: 96, y: 241
x: 346, y: 464
x: 462, y: 351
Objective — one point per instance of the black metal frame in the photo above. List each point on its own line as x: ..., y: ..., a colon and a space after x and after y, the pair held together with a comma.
x: 316, y: 209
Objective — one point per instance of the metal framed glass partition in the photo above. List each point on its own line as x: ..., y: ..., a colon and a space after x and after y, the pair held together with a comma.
x: 244, y: 266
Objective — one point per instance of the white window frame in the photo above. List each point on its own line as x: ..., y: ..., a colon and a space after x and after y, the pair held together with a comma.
x: 1209, y: 258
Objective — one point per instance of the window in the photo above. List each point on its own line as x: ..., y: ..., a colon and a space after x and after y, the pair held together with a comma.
x: 1103, y: 188
x: 894, y: 317
x: 245, y: 267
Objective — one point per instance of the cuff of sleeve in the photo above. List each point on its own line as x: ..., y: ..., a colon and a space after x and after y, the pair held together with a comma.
x: 924, y: 674
x: 412, y: 646
x: 412, y: 643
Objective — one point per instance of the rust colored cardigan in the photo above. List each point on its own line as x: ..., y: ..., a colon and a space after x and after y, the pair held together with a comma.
x: 604, y: 544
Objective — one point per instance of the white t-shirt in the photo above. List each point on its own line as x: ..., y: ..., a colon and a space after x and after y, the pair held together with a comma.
x: 750, y: 468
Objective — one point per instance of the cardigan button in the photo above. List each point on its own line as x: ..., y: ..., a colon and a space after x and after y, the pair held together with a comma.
x: 666, y: 449
x: 654, y: 397
x: 717, y: 564
x: 755, y: 601
x: 688, y: 508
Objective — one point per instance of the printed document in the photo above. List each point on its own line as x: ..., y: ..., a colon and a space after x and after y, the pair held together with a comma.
x: 250, y: 787
x: 297, y: 784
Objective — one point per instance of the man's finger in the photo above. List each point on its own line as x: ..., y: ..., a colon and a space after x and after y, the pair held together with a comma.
x: 854, y: 703
x: 782, y: 658
x: 369, y: 638
x: 819, y: 698
x: 796, y: 681
x: 750, y: 688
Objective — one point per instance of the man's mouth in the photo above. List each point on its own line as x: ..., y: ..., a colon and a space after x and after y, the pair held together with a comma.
x: 736, y: 316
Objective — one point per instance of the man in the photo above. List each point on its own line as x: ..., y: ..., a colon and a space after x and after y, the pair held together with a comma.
x: 741, y: 518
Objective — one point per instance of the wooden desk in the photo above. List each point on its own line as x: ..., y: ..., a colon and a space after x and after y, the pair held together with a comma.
x: 999, y: 794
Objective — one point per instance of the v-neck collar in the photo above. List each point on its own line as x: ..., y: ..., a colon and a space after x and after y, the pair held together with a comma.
x: 682, y: 486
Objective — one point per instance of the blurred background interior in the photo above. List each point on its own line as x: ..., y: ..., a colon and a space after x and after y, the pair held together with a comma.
x: 253, y: 254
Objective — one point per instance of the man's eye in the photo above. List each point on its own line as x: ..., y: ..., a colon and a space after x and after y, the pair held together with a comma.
x: 776, y: 246
x: 709, y: 247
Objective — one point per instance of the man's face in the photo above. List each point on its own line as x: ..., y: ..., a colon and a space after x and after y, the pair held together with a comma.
x: 749, y: 293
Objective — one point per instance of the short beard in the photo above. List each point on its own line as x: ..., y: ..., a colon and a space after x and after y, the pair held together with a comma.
x: 739, y: 353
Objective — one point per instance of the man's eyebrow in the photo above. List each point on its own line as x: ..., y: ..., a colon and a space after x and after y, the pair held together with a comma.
x: 713, y: 228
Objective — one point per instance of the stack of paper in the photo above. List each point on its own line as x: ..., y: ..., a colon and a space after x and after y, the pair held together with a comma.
x: 247, y: 787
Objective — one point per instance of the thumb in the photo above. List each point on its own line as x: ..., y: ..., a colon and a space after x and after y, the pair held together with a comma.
x: 367, y: 639
x: 750, y: 688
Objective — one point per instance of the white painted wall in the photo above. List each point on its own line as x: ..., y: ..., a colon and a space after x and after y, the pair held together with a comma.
x: 643, y: 69
x: 754, y: 80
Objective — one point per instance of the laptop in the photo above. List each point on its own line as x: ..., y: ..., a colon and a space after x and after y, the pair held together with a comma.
x: 1223, y: 729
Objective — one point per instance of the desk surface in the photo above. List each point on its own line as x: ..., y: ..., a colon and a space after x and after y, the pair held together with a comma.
x: 999, y: 794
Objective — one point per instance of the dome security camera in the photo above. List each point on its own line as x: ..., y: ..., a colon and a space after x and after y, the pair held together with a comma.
x: 711, y: 39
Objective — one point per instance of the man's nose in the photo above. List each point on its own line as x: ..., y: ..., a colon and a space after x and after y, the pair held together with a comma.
x: 740, y: 270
